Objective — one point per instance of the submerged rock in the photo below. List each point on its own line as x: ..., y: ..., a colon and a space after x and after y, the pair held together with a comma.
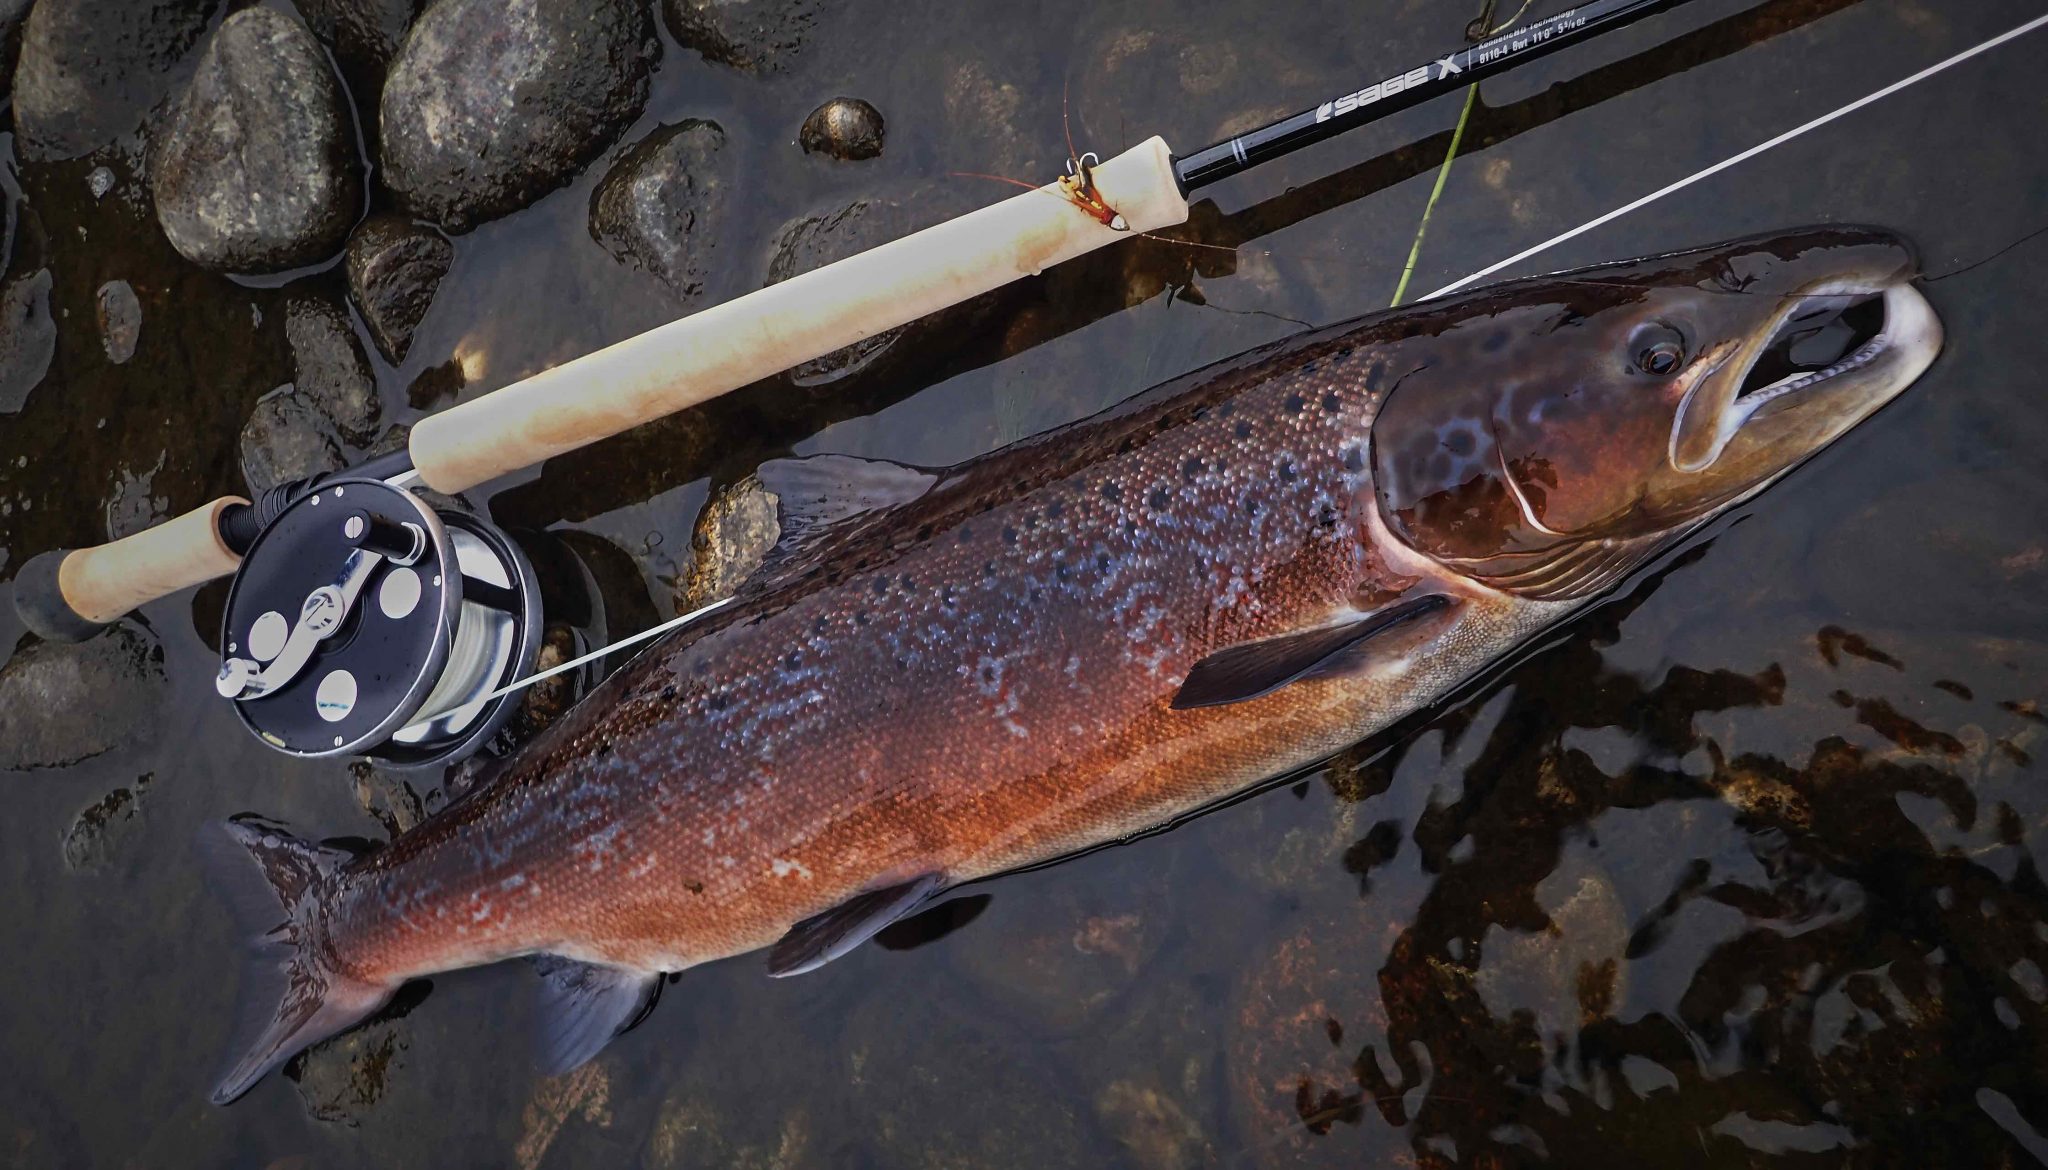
x: 28, y: 337
x: 92, y: 839
x: 754, y: 35
x: 733, y: 534
x: 661, y: 206
x: 844, y: 128
x: 812, y: 241
x: 394, y: 268
x: 300, y: 428
x: 90, y: 69
x: 1153, y: 1127
x: 120, y: 315
x: 285, y: 439
x: 60, y: 704
x: 342, y: 1078
x: 13, y: 13
x: 330, y: 370
x: 489, y: 106
x: 256, y: 170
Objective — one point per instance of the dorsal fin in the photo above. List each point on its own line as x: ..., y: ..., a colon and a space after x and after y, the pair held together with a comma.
x: 1251, y: 669
x: 826, y: 495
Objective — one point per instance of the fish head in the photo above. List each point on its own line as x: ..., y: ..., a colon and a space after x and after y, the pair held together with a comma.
x: 1567, y: 427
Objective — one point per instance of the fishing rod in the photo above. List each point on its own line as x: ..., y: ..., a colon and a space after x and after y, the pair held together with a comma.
x: 363, y: 620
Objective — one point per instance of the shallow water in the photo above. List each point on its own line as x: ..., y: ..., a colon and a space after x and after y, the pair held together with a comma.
x: 1741, y: 868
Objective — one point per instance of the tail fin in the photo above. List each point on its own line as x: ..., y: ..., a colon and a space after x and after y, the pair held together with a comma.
x: 277, y: 887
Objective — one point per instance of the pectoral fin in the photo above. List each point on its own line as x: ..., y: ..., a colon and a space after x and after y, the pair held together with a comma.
x: 1251, y: 669
x: 821, y: 938
x: 584, y: 1005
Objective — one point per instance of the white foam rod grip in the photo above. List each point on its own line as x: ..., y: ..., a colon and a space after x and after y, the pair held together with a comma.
x: 743, y: 340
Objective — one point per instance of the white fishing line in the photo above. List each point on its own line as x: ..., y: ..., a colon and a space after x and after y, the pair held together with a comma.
x: 1489, y: 270
x: 1745, y: 156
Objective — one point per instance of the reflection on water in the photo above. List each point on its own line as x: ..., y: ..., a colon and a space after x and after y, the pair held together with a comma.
x: 1742, y: 868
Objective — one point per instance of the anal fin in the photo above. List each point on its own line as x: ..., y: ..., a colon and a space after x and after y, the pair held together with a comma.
x: 584, y: 1005
x: 1252, y: 669
x: 821, y: 938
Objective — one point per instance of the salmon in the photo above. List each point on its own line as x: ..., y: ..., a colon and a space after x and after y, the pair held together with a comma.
x: 943, y: 674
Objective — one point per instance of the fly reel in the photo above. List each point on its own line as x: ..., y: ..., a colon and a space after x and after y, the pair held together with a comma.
x: 364, y: 622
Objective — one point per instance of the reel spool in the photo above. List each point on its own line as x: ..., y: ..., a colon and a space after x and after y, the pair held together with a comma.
x: 364, y: 622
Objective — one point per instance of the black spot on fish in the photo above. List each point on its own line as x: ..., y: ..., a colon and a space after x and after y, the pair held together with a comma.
x: 1158, y: 499
x: 1287, y: 471
x: 1127, y: 446
x: 1201, y: 412
x: 1345, y: 352
x: 668, y: 693
x: 1226, y: 410
x: 1035, y: 595
x: 1332, y: 403
x: 881, y: 586
x: 1328, y: 517
x: 1354, y: 459
x: 1053, y: 510
x: 1244, y: 430
x: 791, y: 660
x: 925, y: 532
x: 1495, y: 341
x: 988, y: 675
x: 861, y: 618
x: 1191, y: 469
x: 1459, y: 443
x: 989, y: 569
x: 964, y: 534
x: 604, y: 747
x: 819, y: 626
x: 908, y: 584
x: 1103, y: 561
x: 1309, y: 367
x: 1112, y: 493
x: 1296, y: 404
x: 1009, y: 535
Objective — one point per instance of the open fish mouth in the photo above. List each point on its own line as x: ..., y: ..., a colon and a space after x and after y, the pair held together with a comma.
x: 1828, y: 335
x: 1829, y: 358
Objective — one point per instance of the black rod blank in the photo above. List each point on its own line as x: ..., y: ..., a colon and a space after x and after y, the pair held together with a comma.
x: 1448, y: 73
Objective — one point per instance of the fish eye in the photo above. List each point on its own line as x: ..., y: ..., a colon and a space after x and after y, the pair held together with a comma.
x: 1659, y: 350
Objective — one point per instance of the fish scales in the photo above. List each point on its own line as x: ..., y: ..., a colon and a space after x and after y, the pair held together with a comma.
x: 830, y: 740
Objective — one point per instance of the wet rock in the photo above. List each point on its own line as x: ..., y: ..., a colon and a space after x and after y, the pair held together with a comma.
x: 286, y: 439
x: 812, y: 241
x: 733, y: 533
x: 489, y: 106
x: 1153, y: 1127
x: 13, y: 13
x: 844, y: 128
x: 28, y: 337
x: 341, y: 1079
x: 330, y: 371
x: 394, y: 267
x: 691, y: 1131
x: 756, y: 35
x: 256, y: 169
x: 60, y: 704
x: 120, y: 316
x: 662, y: 205
x: 1972, y: 565
x: 90, y: 69
x: 363, y: 33
x: 299, y: 428
x: 100, y: 830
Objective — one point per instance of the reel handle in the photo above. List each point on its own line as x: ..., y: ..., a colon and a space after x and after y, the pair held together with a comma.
x: 68, y: 595
x: 743, y: 340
